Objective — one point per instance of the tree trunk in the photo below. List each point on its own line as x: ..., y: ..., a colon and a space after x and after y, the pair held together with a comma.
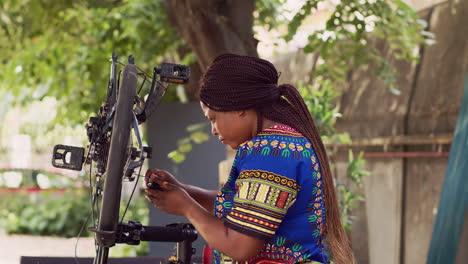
x: 211, y: 28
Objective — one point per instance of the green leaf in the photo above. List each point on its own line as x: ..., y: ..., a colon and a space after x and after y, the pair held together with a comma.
x: 176, y: 156
x: 197, y: 127
x: 185, y: 148
x: 199, y: 137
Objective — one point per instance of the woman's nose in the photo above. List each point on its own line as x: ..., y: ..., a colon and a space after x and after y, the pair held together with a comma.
x: 214, y: 132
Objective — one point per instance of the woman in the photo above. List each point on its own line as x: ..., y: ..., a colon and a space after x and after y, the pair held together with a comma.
x: 279, y: 204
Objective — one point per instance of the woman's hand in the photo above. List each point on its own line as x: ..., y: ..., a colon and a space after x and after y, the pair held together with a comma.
x: 170, y: 198
x: 202, y: 196
x: 156, y: 174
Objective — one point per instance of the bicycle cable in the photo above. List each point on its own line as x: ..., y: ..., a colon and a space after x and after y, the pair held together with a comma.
x: 136, y: 132
x: 140, y: 69
x: 131, y: 195
x: 91, y: 189
x: 141, y: 86
x: 90, y: 215
x: 79, y: 236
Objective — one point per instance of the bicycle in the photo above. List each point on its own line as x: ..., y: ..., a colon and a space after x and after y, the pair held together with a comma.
x: 111, y: 149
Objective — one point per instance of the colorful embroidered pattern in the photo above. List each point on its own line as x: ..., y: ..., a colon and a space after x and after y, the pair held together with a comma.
x: 279, y: 141
x: 270, y: 176
x: 261, y: 202
x: 284, y: 250
x: 281, y: 250
x: 275, y: 192
x: 280, y: 130
x: 316, y: 205
x: 223, y: 205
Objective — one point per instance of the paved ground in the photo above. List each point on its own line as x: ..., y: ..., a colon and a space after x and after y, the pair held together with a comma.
x: 12, y: 247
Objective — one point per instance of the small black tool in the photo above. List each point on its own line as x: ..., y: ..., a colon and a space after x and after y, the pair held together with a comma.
x: 153, y: 185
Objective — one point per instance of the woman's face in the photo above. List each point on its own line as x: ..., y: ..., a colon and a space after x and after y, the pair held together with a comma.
x: 232, y: 128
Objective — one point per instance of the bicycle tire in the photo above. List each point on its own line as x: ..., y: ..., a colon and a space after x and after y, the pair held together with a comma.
x: 121, y: 128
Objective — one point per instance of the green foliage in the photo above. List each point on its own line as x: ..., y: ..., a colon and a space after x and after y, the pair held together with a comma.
x: 59, y: 214
x: 296, y: 22
x: 50, y: 214
x: 348, y: 39
x: 34, y: 178
x: 61, y: 48
x: 345, y: 43
x: 320, y: 102
x: 197, y: 135
x: 268, y: 13
x: 355, y: 171
x: 350, y: 199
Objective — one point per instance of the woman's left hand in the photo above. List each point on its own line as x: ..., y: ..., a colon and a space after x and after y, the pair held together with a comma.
x: 170, y: 198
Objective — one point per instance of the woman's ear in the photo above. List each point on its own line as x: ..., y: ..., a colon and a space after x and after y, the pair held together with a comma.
x: 247, y: 113
x: 241, y: 113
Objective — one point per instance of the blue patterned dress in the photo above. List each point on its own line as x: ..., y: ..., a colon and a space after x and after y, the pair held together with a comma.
x: 274, y: 192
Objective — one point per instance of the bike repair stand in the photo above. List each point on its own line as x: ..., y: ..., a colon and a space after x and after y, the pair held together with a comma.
x: 133, y: 232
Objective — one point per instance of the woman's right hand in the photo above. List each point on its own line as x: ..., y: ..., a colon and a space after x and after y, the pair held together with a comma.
x: 162, y: 175
x: 202, y: 196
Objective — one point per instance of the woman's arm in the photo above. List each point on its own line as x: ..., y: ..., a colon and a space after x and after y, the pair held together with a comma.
x: 175, y: 200
x: 204, y: 197
x: 236, y: 245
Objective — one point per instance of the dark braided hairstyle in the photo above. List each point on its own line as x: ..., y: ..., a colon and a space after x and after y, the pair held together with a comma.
x: 233, y: 82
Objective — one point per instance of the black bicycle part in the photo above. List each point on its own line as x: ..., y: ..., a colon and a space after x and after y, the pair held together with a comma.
x: 68, y: 157
x: 157, y: 90
x: 98, y: 130
x: 105, y: 234
x: 112, y: 84
x: 153, y: 185
x: 184, y: 234
x: 133, y: 232
x: 170, y: 73
x: 174, y: 73
x: 136, y: 157
x: 109, y: 135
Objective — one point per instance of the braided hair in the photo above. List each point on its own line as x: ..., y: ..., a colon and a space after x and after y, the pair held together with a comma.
x: 233, y: 82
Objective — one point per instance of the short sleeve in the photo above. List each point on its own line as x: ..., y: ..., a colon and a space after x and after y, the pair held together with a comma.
x: 265, y: 189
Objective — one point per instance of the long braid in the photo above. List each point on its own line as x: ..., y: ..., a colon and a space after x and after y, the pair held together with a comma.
x: 234, y: 82
x: 292, y: 111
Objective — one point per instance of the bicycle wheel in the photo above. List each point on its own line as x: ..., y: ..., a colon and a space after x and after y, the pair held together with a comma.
x: 121, y: 128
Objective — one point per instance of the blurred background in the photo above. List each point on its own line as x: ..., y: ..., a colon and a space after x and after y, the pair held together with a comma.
x: 383, y: 79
